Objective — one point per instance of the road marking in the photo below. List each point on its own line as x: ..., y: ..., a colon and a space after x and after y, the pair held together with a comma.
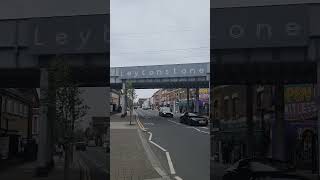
x: 152, y: 158
x: 158, y: 146
x: 204, y: 127
x: 150, y: 136
x: 141, y: 125
x: 199, y: 130
x: 178, y: 178
x: 172, y: 171
x: 174, y: 122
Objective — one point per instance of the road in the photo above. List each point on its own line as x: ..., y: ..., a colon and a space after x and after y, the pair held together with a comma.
x: 96, y: 161
x: 188, y: 147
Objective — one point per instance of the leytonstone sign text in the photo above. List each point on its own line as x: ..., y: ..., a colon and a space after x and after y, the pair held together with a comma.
x: 165, y: 71
x: 255, y: 27
x: 70, y: 35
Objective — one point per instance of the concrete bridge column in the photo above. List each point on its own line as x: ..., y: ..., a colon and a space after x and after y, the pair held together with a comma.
x: 197, y: 104
x: 124, y: 98
x: 188, y: 100
x: 278, y: 151
x: 43, y: 146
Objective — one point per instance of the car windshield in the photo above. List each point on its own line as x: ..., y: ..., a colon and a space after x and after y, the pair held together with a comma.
x: 165, y: 109
x: 192, y: 115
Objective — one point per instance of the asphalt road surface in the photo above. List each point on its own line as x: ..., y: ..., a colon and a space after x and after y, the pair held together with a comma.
x: 189, y: 146
x: 97, y: 161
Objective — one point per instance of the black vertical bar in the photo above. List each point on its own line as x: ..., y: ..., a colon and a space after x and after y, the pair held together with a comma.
x: 249, y: 120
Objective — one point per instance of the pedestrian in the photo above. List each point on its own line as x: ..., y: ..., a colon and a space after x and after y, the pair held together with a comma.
x: 59, y: 150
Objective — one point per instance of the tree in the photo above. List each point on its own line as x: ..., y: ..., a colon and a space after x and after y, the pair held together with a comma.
x: 70, y: 107
x: 131, y: 94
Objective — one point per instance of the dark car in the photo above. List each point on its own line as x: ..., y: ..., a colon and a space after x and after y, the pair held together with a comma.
x: 193, y: 119
x: 81, y: 146
x: 277, y: 176
x: 258, y: 168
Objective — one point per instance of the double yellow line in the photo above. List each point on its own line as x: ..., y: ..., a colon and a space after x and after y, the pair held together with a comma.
x: 141, y: 125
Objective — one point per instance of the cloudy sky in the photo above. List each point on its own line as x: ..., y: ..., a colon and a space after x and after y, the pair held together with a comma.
x: 154, y: 32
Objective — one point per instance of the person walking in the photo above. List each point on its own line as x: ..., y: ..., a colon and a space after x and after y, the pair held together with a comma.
x: 59, y: 150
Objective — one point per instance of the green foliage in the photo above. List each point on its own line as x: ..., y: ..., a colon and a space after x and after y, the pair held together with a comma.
x: 70, y: 106
x: 131, y: 94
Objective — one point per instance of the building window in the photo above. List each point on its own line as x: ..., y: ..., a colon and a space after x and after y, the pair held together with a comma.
x: 21, y: 109
x: 12, y: 107
x: 259, y: 100
x: 215, y: 109
x: 25, y: 110
x: 235, y: 105
x: 35, y: 125
x: 16, y: 108
x: 226, y: 109
x: 8, y: 106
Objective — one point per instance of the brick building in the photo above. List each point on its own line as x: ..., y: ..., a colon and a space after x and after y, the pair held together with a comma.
x: 229, y: 116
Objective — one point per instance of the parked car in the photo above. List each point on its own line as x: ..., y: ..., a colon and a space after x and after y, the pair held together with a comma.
x: 277, y: 176
x: 91, y: 143
x: 260, y: 168
x: 81, y: 146
x: 165, y: 112
x: 193, y: 119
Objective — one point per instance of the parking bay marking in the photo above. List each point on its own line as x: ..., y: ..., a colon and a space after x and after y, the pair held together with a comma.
x: 191, y: 127
x: 198, y: 130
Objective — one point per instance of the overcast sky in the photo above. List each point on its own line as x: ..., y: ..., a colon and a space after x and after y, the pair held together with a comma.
x: 154, y: 32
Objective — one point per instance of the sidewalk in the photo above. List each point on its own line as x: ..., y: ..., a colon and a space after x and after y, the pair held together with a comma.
x: 26, y: 172
x: 308, y: 175
x: 128, y: 157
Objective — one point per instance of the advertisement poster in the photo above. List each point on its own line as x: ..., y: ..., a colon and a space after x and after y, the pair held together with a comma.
x: 299, y: 103
x: 301, y: 118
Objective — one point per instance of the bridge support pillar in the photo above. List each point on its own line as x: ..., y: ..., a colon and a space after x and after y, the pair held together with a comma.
x: 197, y: 103
x: 44, y: 134
x: 188, y: 100
x: 278, y: 151
x: 124, y: 98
